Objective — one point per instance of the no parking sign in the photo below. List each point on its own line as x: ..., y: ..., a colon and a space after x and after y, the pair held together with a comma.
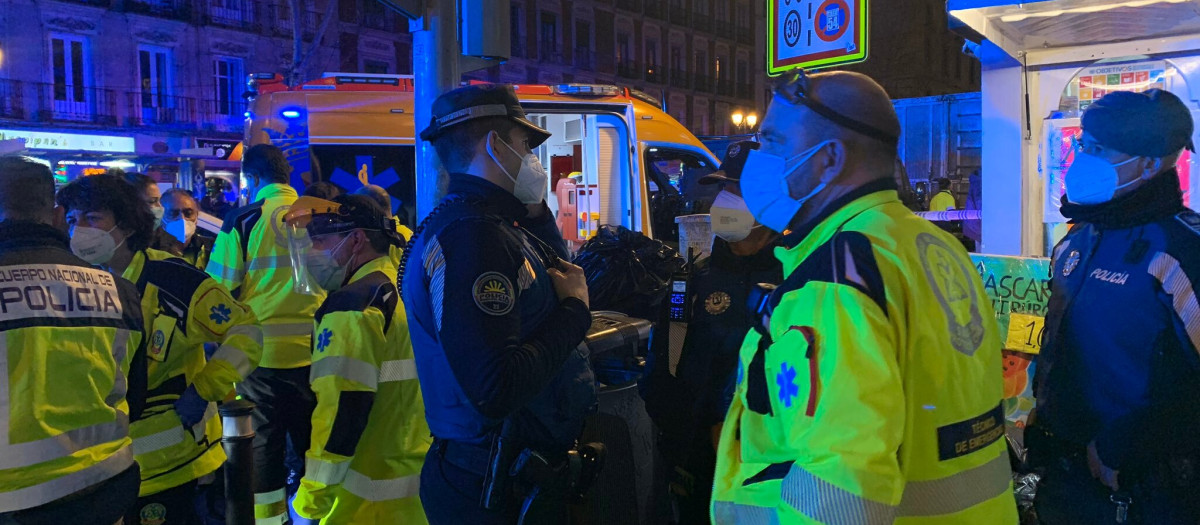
x: 815, y: 33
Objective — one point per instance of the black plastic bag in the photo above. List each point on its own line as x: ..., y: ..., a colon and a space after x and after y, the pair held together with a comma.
x: 627, y: 272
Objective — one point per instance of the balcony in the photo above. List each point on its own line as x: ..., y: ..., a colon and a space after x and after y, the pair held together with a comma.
x: 382, y: 22
x: 177, y: 9
x: 225, y: 116
x: 584, y: 58
x: 282, y: 16
x: 153, y: 109
x: 12, y: 92
x: 234, y: 14
x: 548, y: 53
x: 654, y: 75
x: 62, y: 103
x: 628, y: 69
x: 679, y: 78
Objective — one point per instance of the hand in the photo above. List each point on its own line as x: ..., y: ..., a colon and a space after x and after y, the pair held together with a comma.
x: 190, y: 407
x: 569, y: 281
x: 1105, y: 475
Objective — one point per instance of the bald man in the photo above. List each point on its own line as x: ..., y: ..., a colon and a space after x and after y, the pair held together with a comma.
x: 384, y: 199
x: 869, y: 389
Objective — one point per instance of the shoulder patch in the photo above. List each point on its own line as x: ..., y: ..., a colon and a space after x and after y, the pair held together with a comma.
x: 494, y: 294
x: 1190, y: 220
x: 950, y: 280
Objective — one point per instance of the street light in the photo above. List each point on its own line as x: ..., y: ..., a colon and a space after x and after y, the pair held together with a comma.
x: 737, y: 119
x: 751, y: 120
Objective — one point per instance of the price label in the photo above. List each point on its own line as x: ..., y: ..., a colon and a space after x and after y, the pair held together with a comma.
x: 1025, y: 333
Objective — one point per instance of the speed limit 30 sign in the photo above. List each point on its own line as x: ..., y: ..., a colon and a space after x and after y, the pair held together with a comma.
x: 815, y: 33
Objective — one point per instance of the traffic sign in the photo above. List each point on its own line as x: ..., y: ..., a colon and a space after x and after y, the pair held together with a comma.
x: 815, y: 33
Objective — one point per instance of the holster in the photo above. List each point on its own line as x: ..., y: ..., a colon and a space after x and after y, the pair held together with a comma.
x: 496, y: 476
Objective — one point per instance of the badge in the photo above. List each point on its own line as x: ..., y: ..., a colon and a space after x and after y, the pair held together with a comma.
x: 717, y: 303
x: 494, y: 293
x: 153, y: 514
x: 1071, y: 263
x: 160, y: 338
x: 324, y: 339
x: 220, y: 314
x: 950, y: 280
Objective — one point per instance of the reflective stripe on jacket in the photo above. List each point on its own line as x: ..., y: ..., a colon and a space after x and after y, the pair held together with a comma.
x: 876, y: 396
x: 250, y: 258
x: 185, y: 309
x: 369, y: 432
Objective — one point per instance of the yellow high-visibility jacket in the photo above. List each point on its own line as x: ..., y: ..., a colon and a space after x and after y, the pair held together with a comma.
x: 71, y: 350
x: 369, y: 432
x: 874, y: 396
x: 251, y: 259
x: 184, y: 309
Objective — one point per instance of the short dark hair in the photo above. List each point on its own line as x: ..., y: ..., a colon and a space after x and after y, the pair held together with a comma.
x: 456, y: 146
x: 112, y: 194
x: 26, y: 188
x: 180, y: 192
x: 323, y: 190
x: 138, y: 180
x: 268, y: 163
x: 942, y: 182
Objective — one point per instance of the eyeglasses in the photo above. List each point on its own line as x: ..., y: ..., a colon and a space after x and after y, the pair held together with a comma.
x: 794, y: 89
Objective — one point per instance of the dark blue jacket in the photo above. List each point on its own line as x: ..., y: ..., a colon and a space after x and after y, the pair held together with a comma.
x: 1119, y: 363
x: 492, y: 340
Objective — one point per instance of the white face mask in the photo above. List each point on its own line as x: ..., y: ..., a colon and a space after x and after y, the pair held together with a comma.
x: 1092, y: 180
x: 324, y: 268
x: 181, y: 228
x: 93, y: 245
x: 158, y: 213
x: 529, y: 186
x: 731, y: 220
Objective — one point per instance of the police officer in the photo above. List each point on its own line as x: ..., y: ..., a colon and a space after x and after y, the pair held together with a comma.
x: 720, y: 288
x: 369, y: 430
x: 495, y: 315
x: 1118, y: 379
x: 178, y: 439
x: 251, y: 259
x: 181, y: 214
x: 72, y: 342
x: 870, y: 388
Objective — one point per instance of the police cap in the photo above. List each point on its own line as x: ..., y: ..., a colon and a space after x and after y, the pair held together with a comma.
x: 731, y: 166
x: 1150, y: 124
x: 480, y: 101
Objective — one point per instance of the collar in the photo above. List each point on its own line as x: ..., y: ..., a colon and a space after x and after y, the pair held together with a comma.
x: 383, y: 263
x: 798, y: 245
x: 276, y: 190
x: 1160, y: 198
x: 136, y: 264
x: 495, y: 199
x: 885, y: 186
x: 724, y: 258
x: 27, y: 234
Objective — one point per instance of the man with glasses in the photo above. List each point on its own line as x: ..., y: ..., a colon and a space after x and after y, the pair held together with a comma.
x: 1118, y: 379
x: 181, y: 214
x: 869, y: 390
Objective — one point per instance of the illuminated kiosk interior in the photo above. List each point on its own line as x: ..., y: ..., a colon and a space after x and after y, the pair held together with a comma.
x: 1042, y: 64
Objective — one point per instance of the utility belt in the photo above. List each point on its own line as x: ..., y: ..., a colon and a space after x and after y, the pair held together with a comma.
x: 512, y: 470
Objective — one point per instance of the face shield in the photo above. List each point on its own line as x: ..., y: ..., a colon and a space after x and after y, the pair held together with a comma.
x: 306, y: 276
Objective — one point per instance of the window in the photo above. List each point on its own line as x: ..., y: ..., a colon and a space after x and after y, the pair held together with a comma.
x: 719, y: 72
x: 583, y: 35
x: 236, y: 13
x: 702, y: 7
x: 624, y: 53
x: 743, y: 72
x: 702, y: 63
x: 548, y: 34
x: 69, y: 64
x: 154, y: 73
x: 676, y: 58
x: 228, y: 75
x: 376, y: 67
x: 516, y: 37
x: 651, y: 54
x: 673, y: 185
x: 743, y: 16
x: 721, y: 9
x: 376, y: 16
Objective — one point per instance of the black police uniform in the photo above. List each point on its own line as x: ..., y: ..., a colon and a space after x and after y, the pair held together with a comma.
x: 492, y: 343
x: 1120, y: 365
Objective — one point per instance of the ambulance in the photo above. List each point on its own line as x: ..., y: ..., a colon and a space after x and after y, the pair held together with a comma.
x: 614, y: 158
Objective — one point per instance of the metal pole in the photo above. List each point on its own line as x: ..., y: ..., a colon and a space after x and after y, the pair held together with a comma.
x: 238, y: 440
x: 436, y: 71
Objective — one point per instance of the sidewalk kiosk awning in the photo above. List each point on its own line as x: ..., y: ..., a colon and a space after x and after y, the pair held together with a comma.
x: 1057, y: 29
